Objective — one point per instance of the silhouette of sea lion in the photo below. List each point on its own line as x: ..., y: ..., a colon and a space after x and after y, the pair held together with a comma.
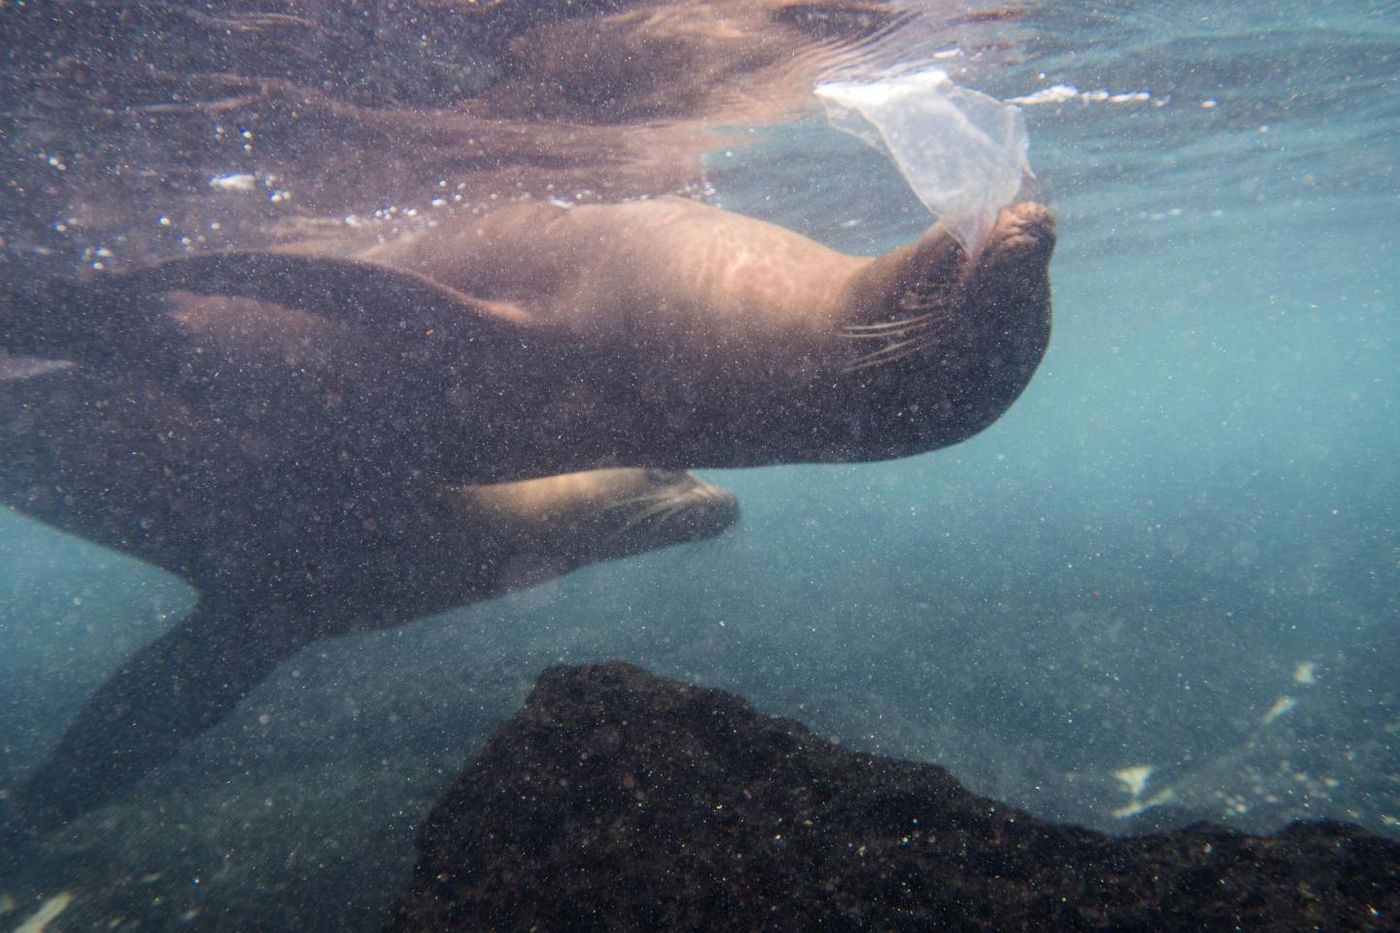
x: 281, y: 552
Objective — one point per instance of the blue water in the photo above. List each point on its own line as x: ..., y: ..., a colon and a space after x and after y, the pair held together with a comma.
x: 1179, y: 550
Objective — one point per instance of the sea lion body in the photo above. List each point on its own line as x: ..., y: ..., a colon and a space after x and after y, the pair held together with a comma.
x: 703, y: 337
x: 687, y: 281
x: 539, y: 340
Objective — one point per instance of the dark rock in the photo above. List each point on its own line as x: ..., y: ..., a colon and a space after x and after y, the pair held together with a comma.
x: 619, y: 800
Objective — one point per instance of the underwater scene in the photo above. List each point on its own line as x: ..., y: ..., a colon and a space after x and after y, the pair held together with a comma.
x: 290, y: 534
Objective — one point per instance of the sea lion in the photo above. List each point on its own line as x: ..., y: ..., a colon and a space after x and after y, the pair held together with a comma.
x: 541, y: 339
x: 280, y: 552
x: 717, y: 339
x: 280, y: 455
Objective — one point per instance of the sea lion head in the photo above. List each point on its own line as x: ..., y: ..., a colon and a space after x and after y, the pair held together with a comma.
x: 943, y: 342
x: 842, y: 359
x: 556, y: 524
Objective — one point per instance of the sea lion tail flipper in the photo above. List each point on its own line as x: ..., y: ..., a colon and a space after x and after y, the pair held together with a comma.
x: 168, y: 692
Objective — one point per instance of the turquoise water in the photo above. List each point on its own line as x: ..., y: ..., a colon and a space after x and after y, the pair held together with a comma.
x: 1179, y: 550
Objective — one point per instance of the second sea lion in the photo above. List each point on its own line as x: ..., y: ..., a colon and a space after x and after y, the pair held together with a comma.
x: 280, y: 552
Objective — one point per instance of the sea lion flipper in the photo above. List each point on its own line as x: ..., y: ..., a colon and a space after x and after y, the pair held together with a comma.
x: 375, y: 297
x: 174, y: 688
x: 116, y: 315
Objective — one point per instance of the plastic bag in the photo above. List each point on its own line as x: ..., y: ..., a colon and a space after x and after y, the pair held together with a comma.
x: 962, y: 152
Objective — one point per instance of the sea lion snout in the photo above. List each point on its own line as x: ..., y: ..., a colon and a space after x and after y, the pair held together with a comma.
x: 678, y: 508
x: 948, y: 341
x: 1010, y: 285
x: 1003, y: 328
x: 1024, y: 235
x: 707, y: 510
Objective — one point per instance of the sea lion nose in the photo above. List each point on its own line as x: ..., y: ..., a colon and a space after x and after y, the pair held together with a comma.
x: 713, y: 511
x: 1024, y: 232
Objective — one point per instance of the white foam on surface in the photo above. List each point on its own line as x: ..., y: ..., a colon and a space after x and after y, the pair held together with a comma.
x: 1067, y: 93
x: 238, y: 182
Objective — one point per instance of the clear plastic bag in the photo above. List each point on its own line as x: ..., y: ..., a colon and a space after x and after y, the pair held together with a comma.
x: 962, y: 152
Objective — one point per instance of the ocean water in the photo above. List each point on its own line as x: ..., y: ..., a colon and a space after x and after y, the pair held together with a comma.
x: 1179, y: 551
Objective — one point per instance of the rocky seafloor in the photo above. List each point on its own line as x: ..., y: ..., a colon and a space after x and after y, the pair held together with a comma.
x: 615, y: 799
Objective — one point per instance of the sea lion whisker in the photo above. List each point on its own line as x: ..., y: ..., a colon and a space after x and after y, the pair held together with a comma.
x: 905, y: 334
x: 887, y: 326
x: 901, y: 332
x: 892, y: 335
x: 665, y: 516
x: 655, y: 503
x: 925, y: 314
x: 932, y: 302
x: 651, y: 499
x: 875, y: 363
x: 662, y: 507
x: 891, y: 353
